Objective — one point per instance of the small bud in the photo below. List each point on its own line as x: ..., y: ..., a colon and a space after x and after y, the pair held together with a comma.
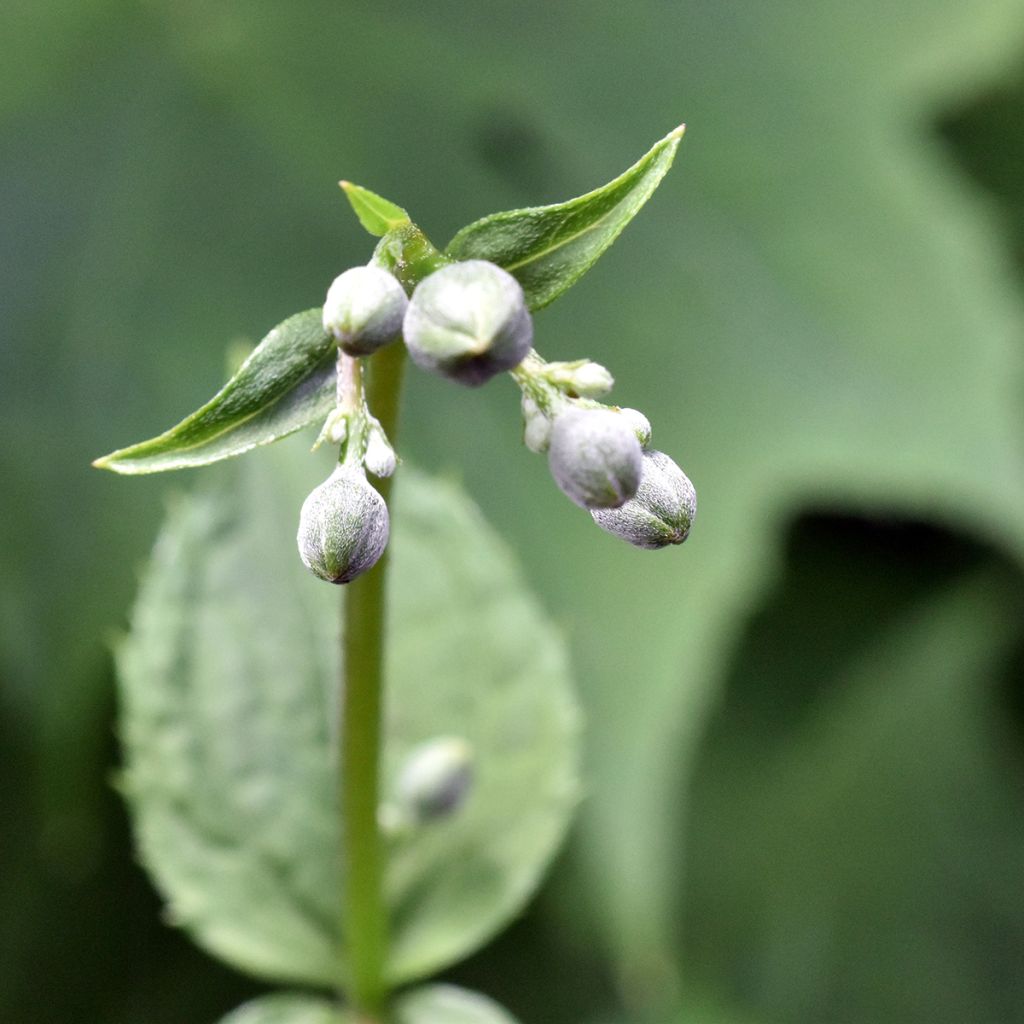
x: 595, y: 457
x: 436, y: 777
x: 335, y: 428
x: 582, y: 378
x: 364, y: 310
x: 640, y: 423
x: 662, y: 511
x: 468, y: 321
x: 536, y: 427
x: 380, y: 456
x: 343, y: 526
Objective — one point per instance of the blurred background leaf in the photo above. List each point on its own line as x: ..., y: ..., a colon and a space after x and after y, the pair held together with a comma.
x: 227, y: 681
x: 819, y: 311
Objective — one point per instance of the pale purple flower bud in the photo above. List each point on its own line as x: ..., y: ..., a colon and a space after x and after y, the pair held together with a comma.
x: 662, y: 511
x: 364, y: 310
x: 595, y: 457
x: 468, y: 321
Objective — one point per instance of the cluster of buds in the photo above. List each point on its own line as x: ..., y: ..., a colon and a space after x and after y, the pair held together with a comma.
x: 601, y: 456
x: 468, y: 321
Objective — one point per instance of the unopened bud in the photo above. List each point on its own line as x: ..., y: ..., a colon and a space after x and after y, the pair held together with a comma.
x: 343, y: 526
x: 536, y: 427
x: 595, y: 457
x: 436, y: 777
x: 583, y: 378
x: 468, y: 321
x: 662, y: 511
x: 640, y: 423
x: 364, y: 309
x: 379, y: 458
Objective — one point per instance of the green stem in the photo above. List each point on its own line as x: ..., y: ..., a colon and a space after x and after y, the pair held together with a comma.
x: 410, y: 257
x: 364, y: 917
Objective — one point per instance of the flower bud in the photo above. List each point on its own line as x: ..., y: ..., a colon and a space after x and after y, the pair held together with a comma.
x: 468, y: 321
x: 595, y: 457
x: 364, y: 310
x: 536, y: 427
x: 583, y: 378
x: 343, y: 526
x: 379, y: 457
x: 436, y: 777
x: 662, y: 511
x: 640, y: 423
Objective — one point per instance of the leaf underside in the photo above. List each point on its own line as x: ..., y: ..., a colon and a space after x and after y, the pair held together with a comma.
x: 228, y: 683
x: 287, y: 383
x: 549, y: 248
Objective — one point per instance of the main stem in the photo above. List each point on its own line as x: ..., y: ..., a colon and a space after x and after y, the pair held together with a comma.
x: 364, y: 919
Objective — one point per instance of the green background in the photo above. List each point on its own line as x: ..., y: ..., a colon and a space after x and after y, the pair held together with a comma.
x: 805, y: 740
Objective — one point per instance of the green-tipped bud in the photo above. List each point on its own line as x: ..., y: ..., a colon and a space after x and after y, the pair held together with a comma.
x: 343, y: 526
x: 595, y: 457
x: 468, y: 321
x: 435, y: 778
x: 662, y: 511
x: 536, y: 427
x: 364, y: 309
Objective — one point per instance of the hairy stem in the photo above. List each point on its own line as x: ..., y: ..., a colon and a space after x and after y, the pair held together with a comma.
x: 364, y: 918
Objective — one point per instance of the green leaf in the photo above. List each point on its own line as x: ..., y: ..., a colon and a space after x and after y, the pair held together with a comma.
x: 861, y: 781
x: 446, y: 1004
x: 549, y: 248
x: 286, y: 1008
x: 287, y: 383
x: 377, y: 214
x: 228, y: 681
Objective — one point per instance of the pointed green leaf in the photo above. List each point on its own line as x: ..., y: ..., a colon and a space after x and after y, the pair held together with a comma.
x: 377, y: 214
x: 287, y: 383
x: 286, y: 1008
x: 446, y: 1004
x: 228, y: 679
x: 549, y: 248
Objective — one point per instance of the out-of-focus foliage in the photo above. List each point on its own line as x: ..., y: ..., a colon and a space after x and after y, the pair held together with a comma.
x: 282, y: 1008
x: 818, y: 309
x: 228, y: 680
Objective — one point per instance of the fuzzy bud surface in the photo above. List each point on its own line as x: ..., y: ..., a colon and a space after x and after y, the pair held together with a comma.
x: 343, y: 526
x: 662, y: 511
x: 468, y: 321
x: 595, y: 457
x: 364, y: 310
